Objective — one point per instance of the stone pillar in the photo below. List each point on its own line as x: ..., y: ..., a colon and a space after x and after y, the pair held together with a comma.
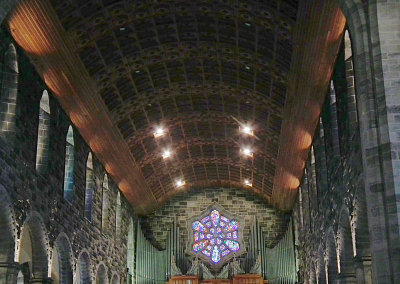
x: 46, y: 280
x: 8, y: 272
x: 363, y: 266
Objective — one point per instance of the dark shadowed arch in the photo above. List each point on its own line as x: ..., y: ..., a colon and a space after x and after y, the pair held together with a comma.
x: 83, y: 269
x: 101, y: 275
x: 62, y: 260
x: 115, y: 279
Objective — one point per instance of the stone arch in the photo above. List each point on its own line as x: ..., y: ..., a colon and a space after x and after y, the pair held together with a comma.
x: 83, y: 267
x: 115, y: 279
x: 101, y: 274
x: 345, y: 244
x: 9, y: 91
x: 62, y: 259
x: 34, y: 246
x: 331, y: 257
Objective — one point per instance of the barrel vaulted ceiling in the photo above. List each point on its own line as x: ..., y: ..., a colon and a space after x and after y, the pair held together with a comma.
x: 190, y: 66
x: 200, y: 70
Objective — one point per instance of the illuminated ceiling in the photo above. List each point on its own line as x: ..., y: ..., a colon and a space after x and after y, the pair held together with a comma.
x: 199, y: 69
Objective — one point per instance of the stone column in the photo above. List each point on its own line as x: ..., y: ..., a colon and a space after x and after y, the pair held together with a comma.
x: 8, y: 272
x: 363, y: 266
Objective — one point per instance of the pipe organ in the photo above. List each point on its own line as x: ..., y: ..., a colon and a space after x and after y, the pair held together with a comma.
x: 277, y: 265
x: 256, y: 248
x: 150, y: 262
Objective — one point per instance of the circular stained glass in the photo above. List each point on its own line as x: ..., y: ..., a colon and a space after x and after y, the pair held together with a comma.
x: 215, y: 236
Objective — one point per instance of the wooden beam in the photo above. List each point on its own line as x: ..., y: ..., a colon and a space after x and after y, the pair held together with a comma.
x: 318, y: 37
x: 38, y: 31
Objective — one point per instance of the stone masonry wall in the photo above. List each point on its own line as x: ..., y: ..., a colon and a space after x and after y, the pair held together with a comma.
x: 31, y: 192
x: 243, y: 204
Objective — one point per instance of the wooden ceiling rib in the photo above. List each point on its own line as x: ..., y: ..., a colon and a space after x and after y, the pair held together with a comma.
x: 120, y: 68
x: 33, y: 24
x: 313, y: 62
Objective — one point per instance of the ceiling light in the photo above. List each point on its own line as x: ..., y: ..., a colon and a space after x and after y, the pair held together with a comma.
x: 247, y: 182
x: 246, y: 129
x: 166, y: 154
x: 159, y: 132
x: 180, y: 183
x: 247, y: 67
x: 137, y: 71
x: 247, y: 24
x: 247, y: 152
x: 122, y: 29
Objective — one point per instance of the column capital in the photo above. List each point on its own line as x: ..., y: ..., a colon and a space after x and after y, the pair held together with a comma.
x: 46, y: 280
x: 11, y: 264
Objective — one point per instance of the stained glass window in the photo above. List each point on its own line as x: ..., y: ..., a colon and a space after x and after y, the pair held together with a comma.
x: 215, y: 236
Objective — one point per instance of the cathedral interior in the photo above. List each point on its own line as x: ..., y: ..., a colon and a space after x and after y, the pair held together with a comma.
x: 200, y: 141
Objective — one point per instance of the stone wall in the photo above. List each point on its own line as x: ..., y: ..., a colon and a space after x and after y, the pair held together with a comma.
x: 35, y: 199
x: 331, y: 215
x: 240, y: 203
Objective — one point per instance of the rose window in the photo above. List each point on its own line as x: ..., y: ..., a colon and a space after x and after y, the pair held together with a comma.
x: 216, y: 237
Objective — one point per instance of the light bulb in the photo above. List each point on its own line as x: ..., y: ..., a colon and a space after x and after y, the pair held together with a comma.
x: 159, y: 132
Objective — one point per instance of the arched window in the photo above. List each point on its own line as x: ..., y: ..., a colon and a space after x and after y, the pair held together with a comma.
x: 105, y: 205
x: 334, y: 121
x: 131, y: 251
x: 9, y: 90
x: 42, y: 148
x: 118, y: 215
x: 69, y: 166
x: 89, y: 188
x: 350, y: 80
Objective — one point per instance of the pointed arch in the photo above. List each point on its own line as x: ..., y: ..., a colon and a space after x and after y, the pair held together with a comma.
x: 115, y: 279
x: 34, y: 246
x: 105, y: 205
x: 83, y: 268
x: 61, y: 265
x: 101, y: 274
x: 89, y: 188
x: 43, y: 137
x: 9, y: 91
x: 118, y: 215
x: 69, y: 165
